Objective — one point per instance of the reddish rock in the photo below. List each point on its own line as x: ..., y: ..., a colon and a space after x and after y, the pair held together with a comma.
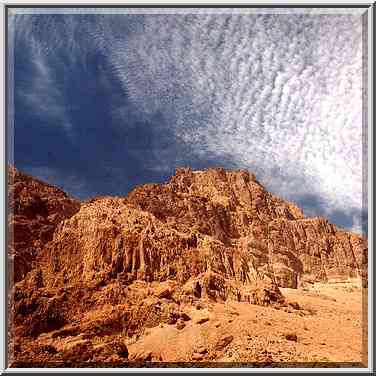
x: 197, y: 356
x: 164, y: 292
x: 223, y: 342
x: 118, y: 265
x: 291, y: 337
x: 200, y: 217
x: 116, y: 347
x: 202, y: 320
x: 184, y: 317
x: 34, y: 210
x: 145, y: 356
x: 180, y: 324
x: 202, y: 350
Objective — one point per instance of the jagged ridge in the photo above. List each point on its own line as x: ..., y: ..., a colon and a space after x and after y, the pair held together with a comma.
x: 225, y: 222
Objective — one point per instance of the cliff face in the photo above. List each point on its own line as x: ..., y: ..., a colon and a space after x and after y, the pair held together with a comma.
x: 115, y: 265
x: 34, y: 210
x: 110, y: 267
x: 213, y: 221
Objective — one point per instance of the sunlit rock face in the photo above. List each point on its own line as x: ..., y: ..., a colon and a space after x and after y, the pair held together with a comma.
x: 34, y: 210
x: 216, y: 221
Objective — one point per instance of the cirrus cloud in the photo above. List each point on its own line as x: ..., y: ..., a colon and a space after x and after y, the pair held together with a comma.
x: 279, y: 93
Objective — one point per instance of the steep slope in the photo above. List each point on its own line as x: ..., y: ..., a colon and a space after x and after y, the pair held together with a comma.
x: 121, y: 264
x: 215, y: 220
x: 234, y: 208
x: 34, y: 210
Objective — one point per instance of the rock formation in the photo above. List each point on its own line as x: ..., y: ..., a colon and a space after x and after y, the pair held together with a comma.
x: 34, y: 210
x: 214, y: 221
x: 114, y: 264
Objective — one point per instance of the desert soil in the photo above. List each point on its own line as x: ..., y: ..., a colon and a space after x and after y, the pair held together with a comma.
x: 322, y: 324
x: 328, y: 328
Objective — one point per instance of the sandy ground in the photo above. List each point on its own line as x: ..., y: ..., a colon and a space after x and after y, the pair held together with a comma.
x: 327, y: 325
x: 322, y: 326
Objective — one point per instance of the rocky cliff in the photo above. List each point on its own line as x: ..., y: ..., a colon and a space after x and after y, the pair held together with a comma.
x: 34, y: 210
x: 217, y: 221
x: 212, y: 234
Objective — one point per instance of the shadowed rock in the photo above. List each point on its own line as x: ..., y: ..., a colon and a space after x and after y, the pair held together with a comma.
x: 120, y: 264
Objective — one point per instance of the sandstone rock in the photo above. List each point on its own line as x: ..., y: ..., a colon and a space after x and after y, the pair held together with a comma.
x: 197, y: 357
x: 80, y: 351
x: 136, y: 236
x: 145, y: 356
x: 141, y: 356
x: 34, y: 210
x: 291, y: 337
x: 202, y: 320
x: 180, y: 324
x: 195, y: 214
x: 164, y: 292
x: 223, y: 342
x: 115, y: 347
x: 294, y: 305
x: 184, y: 317
x: 120, y: 264
x: 202, y: 350
x: 47, y: 349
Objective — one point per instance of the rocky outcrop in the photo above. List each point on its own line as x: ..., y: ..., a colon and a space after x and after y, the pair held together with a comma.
x: 215, y: 221
x: 232, y: 207
x: 212, y: 225
x: 115, y: 265
x: 317, y: 249
x: 34, y: 210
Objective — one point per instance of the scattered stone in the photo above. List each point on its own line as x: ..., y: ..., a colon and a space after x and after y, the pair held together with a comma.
x: 117, y: 347
x: 47, y: 349
x: 202, y: 320
x: 141, y: 356
x: 291, y: 337
x: 294, y: 305
x: 202, y: 350
x: 184, y: 317
x: 223, y: 342
x: 180, y: 324
x: 164, y: 292
x: 196, y: 356
x: 80, y: 351
x: 172, y: 320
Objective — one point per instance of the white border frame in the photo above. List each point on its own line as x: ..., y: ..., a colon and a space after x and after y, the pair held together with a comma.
x: 3, y: 294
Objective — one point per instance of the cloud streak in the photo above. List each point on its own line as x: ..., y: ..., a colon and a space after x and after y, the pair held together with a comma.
x: 279, y: 94
x: 273, y: 91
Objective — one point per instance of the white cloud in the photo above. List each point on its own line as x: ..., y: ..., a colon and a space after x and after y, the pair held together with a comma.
x: 272, y: 92
x: 41, y: 89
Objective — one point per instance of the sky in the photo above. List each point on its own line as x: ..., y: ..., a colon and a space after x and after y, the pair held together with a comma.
x: 104, y: 102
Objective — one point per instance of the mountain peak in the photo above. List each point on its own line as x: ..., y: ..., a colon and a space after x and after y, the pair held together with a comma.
x: 203, y: 236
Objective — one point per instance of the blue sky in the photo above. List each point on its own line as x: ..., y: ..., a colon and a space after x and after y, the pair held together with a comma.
x: 104, y: 102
